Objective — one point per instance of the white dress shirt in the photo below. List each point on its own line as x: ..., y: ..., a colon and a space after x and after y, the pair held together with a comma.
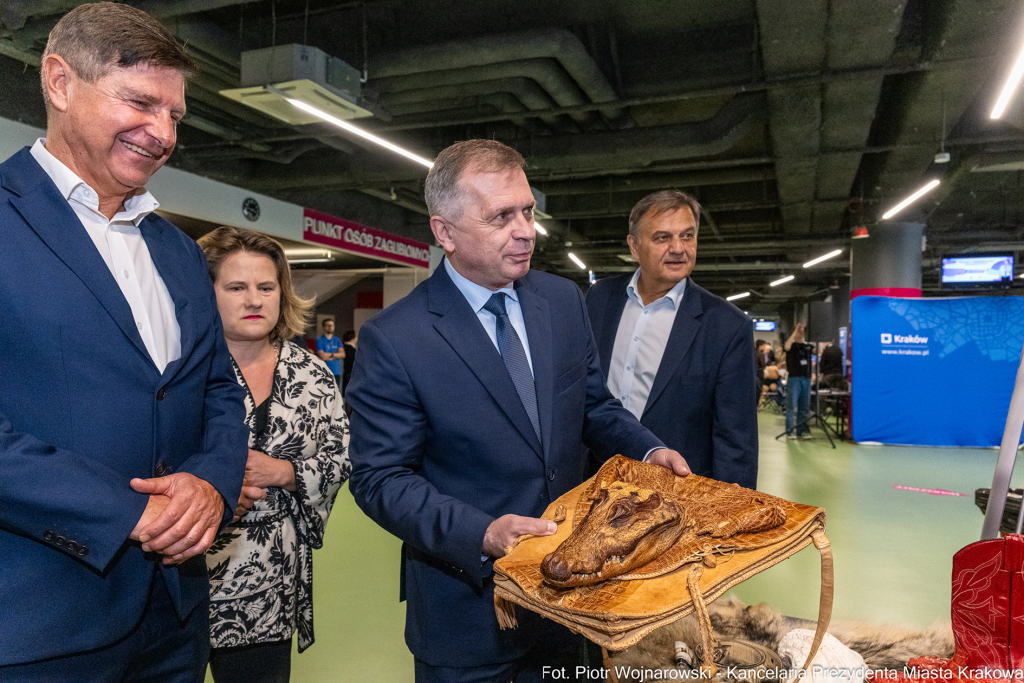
x: 120, y: 243
x: 478, y: 296
x: 640, y: 343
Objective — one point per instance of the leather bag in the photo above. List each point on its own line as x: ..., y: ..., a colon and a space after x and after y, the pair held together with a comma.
x: 698, y: 569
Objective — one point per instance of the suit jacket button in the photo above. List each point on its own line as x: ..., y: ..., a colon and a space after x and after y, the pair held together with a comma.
x: 82, y: 551
x: 160, y: 394
x: 551, y: 475
x: 49, y: 535
x: 161, y: 469
x: 72, y: 546
x: 60, y: 541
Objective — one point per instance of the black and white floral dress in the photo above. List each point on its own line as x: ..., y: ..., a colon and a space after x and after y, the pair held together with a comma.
x: 261, y: 567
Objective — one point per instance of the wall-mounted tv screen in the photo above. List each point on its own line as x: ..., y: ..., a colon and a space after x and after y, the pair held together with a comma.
x: 764, y: 326
x: 977, y: 270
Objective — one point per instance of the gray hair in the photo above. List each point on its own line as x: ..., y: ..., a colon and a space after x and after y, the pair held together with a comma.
x: 97, y: 37
x: 441, y: 189
x: 660, y: 202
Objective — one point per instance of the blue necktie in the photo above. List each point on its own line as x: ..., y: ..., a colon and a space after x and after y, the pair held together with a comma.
x: 512, y: 352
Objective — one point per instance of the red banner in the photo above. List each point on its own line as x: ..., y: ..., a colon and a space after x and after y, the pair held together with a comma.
x: 360, y: 239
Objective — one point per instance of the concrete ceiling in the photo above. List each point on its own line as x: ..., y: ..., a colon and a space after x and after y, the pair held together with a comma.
x: 791, y: 120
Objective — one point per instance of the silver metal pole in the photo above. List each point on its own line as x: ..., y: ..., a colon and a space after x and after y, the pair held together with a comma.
x: 1007, y: 457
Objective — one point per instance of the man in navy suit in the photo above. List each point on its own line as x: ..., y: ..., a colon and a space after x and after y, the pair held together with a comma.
x: 472, y: 400
x: 122, y: 443
x: 678, y: 357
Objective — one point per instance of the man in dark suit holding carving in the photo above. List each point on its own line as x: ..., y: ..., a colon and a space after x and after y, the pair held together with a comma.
x: 472, y: 400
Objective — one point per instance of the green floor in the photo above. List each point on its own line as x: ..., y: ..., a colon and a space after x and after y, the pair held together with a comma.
x: 892, y: 549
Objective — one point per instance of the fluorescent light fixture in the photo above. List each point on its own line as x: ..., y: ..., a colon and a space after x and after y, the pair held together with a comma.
x: 310, y: 260
x: 576, y: 260
x: 737, y: 296
x: 344, y: 125
x: 306, y: 253
x: 782, y: 280
x: 910, y: 200
x: 831, y: 254
x: 539, y: 228
x: 1011, y: 87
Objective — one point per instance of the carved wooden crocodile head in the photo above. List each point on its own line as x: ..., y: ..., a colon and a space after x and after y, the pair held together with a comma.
x: 626, y: 528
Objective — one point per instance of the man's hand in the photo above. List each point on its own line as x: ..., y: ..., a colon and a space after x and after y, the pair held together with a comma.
x: 504, y: 531
x: 666, y: 457
x: 187, y: 523
x: 262, y: 471
x: 248, y: 498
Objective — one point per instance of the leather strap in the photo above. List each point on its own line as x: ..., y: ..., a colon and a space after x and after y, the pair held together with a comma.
x: 709, y: 644
x: 827, y: 591
x: 606, y: 661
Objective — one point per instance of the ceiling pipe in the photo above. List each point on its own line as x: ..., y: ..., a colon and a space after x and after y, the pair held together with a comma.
x: 547, y: 73
x: 526, y: 91
x: 643, y: 146
x: 658, y: 181
x: 544, y: 43
x: 598, y: 150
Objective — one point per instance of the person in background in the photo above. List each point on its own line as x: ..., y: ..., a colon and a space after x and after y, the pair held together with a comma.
x: 330, y: 350
x: 122, y: 447
x: 261, y: 566
x: 798, y: 385
x: 351, y: 339
x: 767, y: 371
x: 678, y: 357
x: 831, y: 368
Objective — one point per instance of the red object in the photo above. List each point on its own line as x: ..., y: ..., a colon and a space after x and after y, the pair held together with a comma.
x: 909, y: 292
x: 859, y: 232
x: 988, y: 603
x: 988, y: 617
x: 369, y: 299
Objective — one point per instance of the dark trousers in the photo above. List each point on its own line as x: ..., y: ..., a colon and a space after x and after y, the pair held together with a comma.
x: 555, y: 656
x: 160, y: 649
x: 258, y: 663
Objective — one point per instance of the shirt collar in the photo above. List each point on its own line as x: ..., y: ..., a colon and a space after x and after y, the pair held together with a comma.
x: 71, y: 187
x: 675, y: 295
x: 476, y: 295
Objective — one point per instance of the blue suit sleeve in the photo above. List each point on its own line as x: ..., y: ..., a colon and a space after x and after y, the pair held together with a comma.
x: 389, y: 437
x: 95, y: 507
x: 734, y: 433
x: 608, y: 428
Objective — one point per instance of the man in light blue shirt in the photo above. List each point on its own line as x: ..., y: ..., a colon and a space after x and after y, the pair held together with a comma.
x: 678, y: 357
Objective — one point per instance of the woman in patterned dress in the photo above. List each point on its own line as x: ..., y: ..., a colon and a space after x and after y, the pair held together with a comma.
x: 261, y: 566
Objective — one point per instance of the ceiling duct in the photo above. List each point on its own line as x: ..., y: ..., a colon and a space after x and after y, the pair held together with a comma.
x: 514, y: 48
x: 271, y: 75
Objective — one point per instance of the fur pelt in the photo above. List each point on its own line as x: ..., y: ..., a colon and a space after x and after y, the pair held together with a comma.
x: 883, y: 646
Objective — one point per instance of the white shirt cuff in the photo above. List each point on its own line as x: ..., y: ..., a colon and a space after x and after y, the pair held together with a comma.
x: 656, y: 448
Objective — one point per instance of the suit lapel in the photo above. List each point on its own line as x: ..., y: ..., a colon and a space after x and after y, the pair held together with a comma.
x: 538, y: 328
x: 460, y: 327
x: 160, y: 242
x: 684, y: 331
x: 49, y: 215
x: 606, y: 343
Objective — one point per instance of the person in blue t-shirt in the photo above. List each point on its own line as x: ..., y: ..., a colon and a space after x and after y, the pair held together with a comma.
x: 330, y: 350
